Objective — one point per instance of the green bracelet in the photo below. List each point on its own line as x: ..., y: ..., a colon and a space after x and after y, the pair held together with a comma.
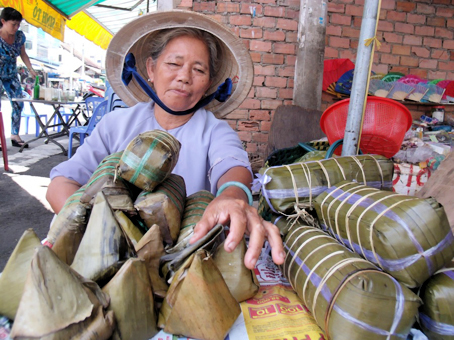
x: 239, y: 185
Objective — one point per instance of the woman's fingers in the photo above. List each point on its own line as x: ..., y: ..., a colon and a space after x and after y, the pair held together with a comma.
x: 241, y: 218
x: 257, y: 236
x: 275, y: 240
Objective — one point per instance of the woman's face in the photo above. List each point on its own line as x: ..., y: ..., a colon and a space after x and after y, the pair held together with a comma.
x: 181, y: 74
x: 11, y: 26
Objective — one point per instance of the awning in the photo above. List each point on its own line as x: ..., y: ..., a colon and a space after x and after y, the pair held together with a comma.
x: 53, y: 20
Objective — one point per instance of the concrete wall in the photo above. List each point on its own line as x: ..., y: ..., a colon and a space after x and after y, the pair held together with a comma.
x: 417, y: 38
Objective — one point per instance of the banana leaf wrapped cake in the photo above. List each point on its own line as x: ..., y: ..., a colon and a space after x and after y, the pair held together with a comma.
x: 194, y: 208
x: 149, y: 159
x: 114, y: 187
x: 436, y: 315
x: 349, y: 297
x: 164, y: 206
x: 68, y: 228
x: 287, y: 188
x: 12, y: 280
x: 408, y: 237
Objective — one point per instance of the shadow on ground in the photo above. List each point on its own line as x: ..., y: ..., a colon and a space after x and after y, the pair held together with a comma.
x: 19, y: 209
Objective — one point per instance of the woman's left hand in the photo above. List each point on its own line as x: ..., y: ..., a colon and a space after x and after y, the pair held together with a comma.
x: 243, y: 219
x: 32, y: 72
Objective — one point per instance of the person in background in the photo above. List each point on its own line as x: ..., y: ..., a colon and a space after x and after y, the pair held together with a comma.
x: 183, y: 66
x: 11, y: 46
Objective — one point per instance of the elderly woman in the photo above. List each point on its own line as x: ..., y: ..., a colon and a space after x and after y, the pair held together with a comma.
x: 182, y: 63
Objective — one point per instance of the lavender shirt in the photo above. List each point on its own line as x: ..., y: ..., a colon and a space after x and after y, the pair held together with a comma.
x: 209, y: 146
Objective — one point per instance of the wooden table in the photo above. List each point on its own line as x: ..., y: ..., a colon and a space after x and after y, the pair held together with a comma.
x: 76, y: 111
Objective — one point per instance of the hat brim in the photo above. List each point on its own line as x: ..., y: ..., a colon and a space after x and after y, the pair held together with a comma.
x: 134, y: 38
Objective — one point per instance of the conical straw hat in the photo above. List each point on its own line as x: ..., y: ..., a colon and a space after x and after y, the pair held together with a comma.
x: 136, y: 35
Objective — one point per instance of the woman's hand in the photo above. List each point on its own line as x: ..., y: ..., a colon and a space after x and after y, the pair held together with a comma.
x: 231, y: 208
x: 32, y: 72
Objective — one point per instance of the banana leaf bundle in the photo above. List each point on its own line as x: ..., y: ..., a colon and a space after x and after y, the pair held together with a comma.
x: 130, y: 229
x: 198, y: 304
x: 104, y: 247
x: 149, y: 159
x: 287, y: 188
x: 150, y: 249
x: 12, y: 280
x: 170, y: 263
x: 194, y: 208
x: 73, y: 215
x: 348, y: 296
x: 164, y: 206
x: 59, y: 304
x: 131, y: 299
x: 114, y: 187
x: 408, y: 237
x: 436, y: 315
x: 242, y: 282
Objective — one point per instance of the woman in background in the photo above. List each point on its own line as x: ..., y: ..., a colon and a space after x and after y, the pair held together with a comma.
x: 11, y: 46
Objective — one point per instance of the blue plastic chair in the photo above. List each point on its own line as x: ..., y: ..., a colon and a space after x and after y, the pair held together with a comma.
x: 27, y: 114
x: 65, y: 115
x: 91, y: 103
x: 98, y: 113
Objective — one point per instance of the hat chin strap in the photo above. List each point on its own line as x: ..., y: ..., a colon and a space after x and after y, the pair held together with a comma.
x: 129, y: 70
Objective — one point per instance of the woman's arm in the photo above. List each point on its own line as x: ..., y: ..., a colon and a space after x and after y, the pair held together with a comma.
x: 60, y: 188
x: 231, y: 207
x: 26, y: 61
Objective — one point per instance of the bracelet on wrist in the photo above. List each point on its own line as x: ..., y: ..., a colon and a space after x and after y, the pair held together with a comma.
x: 240, y: 185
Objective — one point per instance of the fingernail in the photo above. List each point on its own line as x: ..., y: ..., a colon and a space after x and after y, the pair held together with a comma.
x: 282, y: 254
x: 230, y: 246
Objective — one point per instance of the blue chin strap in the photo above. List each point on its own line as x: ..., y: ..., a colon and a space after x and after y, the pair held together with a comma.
x: 129, y: 70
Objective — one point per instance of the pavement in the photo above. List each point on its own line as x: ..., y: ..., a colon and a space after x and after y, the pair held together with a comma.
x: 23, y: 188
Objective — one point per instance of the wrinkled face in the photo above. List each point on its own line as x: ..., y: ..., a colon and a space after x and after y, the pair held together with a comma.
x: 181, y: 74
x: 10, y: 26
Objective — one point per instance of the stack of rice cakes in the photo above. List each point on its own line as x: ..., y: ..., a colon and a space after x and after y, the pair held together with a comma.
x: 349, y: 199
x: 101, y: 241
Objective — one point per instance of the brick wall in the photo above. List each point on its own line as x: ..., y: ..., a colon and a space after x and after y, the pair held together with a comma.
x: 417, y: 38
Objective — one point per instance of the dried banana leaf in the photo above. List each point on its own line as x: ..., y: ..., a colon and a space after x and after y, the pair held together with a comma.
x: 348, y: 296
x: 164, y: 207
x: 150, y: 249
x: 104, y: 247
x: 131, y: 299
x: 73, y: 215
x: 129, y: 228
x: 149, y: 159
x: 436, y: 315
x: 242, y: 282
x: 199, y: 304
x: 287, y: 186
x: 171, y: 262
x: 115, y: 188
x: 56, y: 299
x: 408, y: 237
x: 193, y: 211
x: 12, y: 280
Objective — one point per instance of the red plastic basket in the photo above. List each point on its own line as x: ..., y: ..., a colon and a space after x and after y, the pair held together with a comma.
x: 385, y: 124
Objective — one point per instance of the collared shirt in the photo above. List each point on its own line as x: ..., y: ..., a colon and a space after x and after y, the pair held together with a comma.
x: 209, y: 146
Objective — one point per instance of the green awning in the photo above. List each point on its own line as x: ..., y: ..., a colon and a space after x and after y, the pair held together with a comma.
x: 71, y: 7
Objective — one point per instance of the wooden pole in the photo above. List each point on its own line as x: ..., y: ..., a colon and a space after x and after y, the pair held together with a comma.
x: 307, y: 91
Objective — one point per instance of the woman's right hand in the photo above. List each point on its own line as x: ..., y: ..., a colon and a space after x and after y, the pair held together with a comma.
x: 32, y: 72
